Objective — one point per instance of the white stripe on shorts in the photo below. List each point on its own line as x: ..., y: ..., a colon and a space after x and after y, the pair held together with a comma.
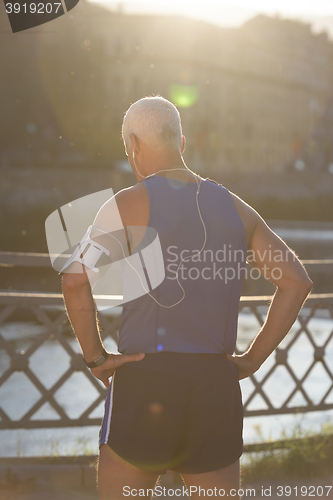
x: 107, y: 416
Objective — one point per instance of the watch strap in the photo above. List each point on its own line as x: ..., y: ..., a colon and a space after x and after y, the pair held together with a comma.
x: 99, y: 361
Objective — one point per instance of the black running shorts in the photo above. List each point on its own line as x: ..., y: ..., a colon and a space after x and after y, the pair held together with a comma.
x: 175, y: 411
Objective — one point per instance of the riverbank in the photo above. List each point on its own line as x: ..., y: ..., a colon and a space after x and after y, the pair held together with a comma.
x: 29, y: 195
x: 62, y: 480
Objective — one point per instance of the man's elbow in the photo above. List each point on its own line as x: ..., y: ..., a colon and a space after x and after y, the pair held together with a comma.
x: 302, y: 285
x: 309, y: 284
x: 305, y: 284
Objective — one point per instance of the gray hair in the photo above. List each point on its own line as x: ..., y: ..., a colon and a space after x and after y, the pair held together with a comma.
x: 155, y: 121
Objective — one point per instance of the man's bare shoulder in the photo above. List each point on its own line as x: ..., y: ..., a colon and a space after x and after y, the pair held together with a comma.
x: 133, y: 204
x: 249, y: 216
x: 131, y: 193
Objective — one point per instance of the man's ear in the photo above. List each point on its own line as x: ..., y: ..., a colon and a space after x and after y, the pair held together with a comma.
x: 135, y: 144
x: 183, y: 143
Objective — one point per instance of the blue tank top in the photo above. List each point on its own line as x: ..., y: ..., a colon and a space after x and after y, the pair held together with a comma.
x: 205, y: 321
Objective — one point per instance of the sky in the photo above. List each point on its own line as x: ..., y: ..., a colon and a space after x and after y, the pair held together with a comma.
x: 225, y: 12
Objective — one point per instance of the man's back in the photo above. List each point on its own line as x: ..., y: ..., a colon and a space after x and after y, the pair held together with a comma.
x: 195, y: 308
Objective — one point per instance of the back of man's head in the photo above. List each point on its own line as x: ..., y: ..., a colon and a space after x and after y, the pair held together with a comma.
x: 155, y: 121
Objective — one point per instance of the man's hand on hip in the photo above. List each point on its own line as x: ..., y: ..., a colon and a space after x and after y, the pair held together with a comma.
x: 246, y: 365
x: 107, y: 369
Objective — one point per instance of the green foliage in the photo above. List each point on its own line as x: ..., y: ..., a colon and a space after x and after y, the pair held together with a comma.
x: 82, y: 447
x: 310, y: 455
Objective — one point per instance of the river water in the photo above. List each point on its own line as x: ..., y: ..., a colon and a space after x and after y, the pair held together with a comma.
x: 50, y: 361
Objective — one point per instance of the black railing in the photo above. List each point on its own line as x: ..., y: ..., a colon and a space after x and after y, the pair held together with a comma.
x: 47, y: 311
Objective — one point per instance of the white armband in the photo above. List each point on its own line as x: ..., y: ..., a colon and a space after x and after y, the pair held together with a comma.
x: 87, y: 253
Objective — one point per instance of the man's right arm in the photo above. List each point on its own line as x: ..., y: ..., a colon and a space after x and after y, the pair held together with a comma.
x: 78, y: 281
x: 268, y: 253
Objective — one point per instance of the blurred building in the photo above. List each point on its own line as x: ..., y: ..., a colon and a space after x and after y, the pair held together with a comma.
x: 317, y: 152
x: 291, y: 89
x: 250, y: 98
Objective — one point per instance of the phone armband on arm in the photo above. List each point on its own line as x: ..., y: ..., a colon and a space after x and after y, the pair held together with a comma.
x: 87, y: 253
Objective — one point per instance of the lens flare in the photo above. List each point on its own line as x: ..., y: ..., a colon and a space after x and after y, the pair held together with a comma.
x: 184, y: 96
x: 156, y: 408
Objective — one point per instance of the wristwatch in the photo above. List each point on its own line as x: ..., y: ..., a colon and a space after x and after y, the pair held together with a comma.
x: 99, y: 361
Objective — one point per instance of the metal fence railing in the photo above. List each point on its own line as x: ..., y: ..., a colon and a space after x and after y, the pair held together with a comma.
x: 314, y: 326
